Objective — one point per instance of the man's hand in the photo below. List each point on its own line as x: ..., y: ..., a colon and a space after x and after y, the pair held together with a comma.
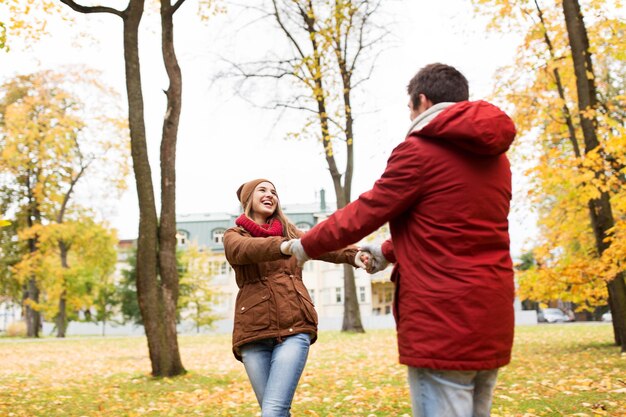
x: 294, y: 247
x: 376, y: 261
x: 362, y: 259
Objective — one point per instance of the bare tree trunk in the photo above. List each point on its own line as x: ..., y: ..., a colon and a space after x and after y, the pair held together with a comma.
x: 600, y: 209
x: 61, y: 319
x: 164, y: 361
x: 315, y: 29
x: 156, y: 249
x: 33, y: 317
x: 351, y: 313
x: 148, y: 286
x: 167, y: 231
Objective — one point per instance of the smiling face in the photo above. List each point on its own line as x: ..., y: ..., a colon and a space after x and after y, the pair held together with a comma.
x: 264, y: 202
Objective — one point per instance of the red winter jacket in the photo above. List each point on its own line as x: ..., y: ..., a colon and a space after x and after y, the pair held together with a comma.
x: 445, y: 193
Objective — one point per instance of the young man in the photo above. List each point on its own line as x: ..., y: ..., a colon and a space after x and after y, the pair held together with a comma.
x: 446, y: 193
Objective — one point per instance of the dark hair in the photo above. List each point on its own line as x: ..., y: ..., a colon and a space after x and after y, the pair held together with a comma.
x: 440, y: 83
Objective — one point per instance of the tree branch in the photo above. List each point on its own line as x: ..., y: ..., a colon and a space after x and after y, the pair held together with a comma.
x: 286, y: 31
x: 68, y: 194
x: 557, y: 78
x: 92, y: 9
x: 176, y: 6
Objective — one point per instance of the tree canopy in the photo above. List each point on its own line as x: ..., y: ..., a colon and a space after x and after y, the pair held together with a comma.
x: 573, y: 178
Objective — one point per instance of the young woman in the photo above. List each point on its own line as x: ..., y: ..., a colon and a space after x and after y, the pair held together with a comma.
x: 275, y: 320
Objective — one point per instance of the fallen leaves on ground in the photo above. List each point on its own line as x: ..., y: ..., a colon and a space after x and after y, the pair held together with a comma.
x: 557, y: 370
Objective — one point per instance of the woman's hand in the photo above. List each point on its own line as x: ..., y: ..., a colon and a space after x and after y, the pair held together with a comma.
x: 285, y: 247
x: 294, y: 247
x: 372, y: 257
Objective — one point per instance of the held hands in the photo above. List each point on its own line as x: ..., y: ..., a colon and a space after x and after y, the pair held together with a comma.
x: 285, y: 247
x: 371, y: 258
x: 362, y: 259
x: 294, y: 247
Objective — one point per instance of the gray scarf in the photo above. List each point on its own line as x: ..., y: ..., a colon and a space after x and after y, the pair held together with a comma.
x: 424, y: 118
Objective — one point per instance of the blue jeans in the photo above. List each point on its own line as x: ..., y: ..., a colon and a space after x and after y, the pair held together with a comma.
x: 442, y: 393
x: 274, y: 370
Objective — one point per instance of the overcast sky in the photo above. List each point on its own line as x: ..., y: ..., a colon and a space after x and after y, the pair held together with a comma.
x: 224, y: 140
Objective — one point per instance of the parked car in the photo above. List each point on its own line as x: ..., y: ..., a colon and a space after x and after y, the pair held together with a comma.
x: 552, y: 315
x: 607, y: 316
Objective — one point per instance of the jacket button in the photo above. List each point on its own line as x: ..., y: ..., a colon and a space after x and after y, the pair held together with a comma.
x: 264, y: 297
x: 290, y: 329
x: 243, y: 308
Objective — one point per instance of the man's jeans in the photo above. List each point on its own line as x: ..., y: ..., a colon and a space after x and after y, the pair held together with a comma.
x: 439, y: 393
x: 274, y: 370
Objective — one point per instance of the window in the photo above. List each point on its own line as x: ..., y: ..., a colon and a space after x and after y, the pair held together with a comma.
x: 361, y: 294
x: 303, y: 226
x: 338, y: 295
x: 219, y: 268
x: 182, y: 237
x: 218, y: 235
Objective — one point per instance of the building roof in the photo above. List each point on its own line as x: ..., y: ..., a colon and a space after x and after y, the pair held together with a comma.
x: 313, y: 208
x: 310, y: 208
x: 204, y: 217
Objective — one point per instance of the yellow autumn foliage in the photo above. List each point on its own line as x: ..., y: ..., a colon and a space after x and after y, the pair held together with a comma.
x: 26, y: 19
x: 49, y: 140
x: 539, y: 90
x: 91, y: 258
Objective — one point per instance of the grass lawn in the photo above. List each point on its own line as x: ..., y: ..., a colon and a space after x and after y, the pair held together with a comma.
x: 557, y: 370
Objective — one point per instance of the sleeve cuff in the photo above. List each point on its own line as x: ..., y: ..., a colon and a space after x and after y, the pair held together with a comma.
x: 310, y: 251
x: 388, y: 251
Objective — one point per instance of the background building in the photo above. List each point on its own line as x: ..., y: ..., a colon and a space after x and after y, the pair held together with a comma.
x: 323, y: 280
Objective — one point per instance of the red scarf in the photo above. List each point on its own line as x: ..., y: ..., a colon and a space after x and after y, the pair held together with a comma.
x: 275, y: 228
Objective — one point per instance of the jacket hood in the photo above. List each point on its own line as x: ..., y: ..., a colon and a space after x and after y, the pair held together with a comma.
x: 475, y: 126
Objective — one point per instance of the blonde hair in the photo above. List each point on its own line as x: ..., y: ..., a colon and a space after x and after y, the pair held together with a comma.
x: 289, y: 230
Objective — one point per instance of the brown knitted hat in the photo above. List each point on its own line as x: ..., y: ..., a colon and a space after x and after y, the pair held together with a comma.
x: 245, y: 190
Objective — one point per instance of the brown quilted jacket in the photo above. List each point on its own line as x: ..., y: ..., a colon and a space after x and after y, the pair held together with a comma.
x: 272, y: 301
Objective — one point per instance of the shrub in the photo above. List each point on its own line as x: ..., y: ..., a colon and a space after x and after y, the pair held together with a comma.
x: 17, y: 329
